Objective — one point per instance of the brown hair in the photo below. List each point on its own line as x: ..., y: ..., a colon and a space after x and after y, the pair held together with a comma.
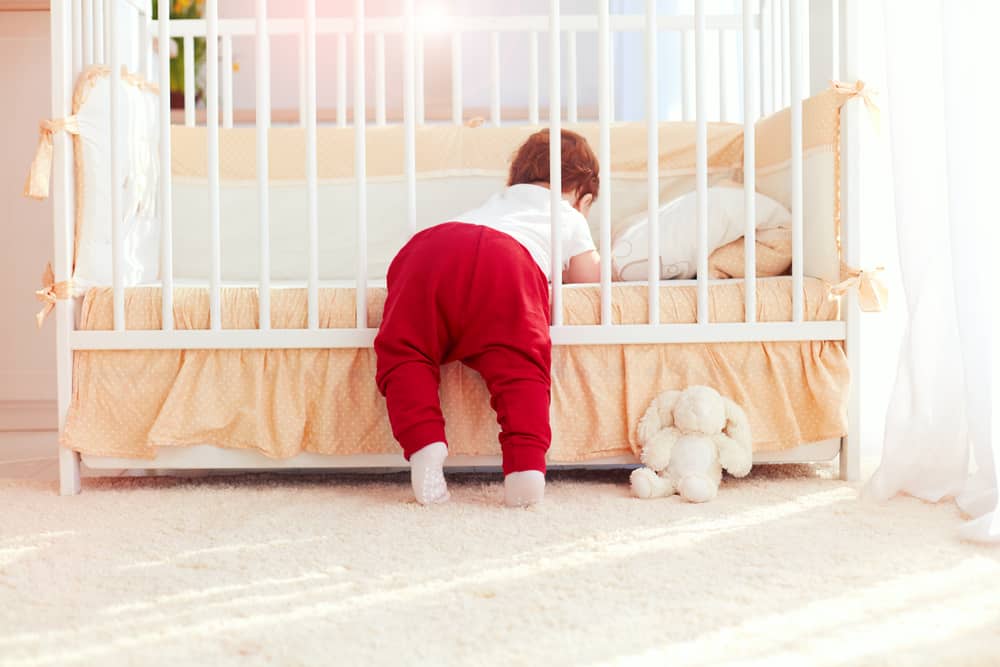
x: 580, y: 170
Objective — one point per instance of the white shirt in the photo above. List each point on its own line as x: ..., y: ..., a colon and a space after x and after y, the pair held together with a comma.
x: 522, y: 211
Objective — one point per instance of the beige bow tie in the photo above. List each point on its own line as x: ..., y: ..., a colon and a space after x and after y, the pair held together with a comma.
x: 873, y: 295
x: 50, y: 293
x: 40, y: 174
x: 859, y: 89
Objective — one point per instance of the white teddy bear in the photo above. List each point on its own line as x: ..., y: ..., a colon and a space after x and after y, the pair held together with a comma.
x: 687, y: 438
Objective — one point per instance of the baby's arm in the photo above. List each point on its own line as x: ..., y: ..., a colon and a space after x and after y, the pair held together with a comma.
x: 584, y: 268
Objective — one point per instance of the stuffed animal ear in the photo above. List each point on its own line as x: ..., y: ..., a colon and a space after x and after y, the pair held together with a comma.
x: 734, y: 443
x: 658, y: 416
x: 737, y: 423
x: 656, y: 431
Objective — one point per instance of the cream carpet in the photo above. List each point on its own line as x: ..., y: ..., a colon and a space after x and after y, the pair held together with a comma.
x: 786, y: 567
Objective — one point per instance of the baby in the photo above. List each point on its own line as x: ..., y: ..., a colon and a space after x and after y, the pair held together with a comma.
x: 476, y: 290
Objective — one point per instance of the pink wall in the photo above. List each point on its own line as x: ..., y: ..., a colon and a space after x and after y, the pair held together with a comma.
x: 27, y: 362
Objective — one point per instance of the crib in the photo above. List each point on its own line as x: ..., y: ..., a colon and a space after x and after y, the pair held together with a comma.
x: 766, y: 52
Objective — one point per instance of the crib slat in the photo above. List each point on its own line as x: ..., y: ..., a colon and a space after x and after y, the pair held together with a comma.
x: 835, y: 40
x: 786, y: 91
x: 134, y: 61
x: 117, y: 224
x: 312, y: 213
x: 88, y: 32
x: 227, y: 81
x: 456, y: 76
x: 262, y: 121
x: 749, y: 166
x: 409, y: 119
x: 361, y: 194
x: 555, y: 162
x: 701, y: 157
x: 212, y: 124
x: 571, y: 103
x: 147, y: 41
x: 611, y: 78
x: 795, y: 36
x: 495, y: 78
x: 766, y: 71
x: 776, y: 55
x: 341, y: 79
x: 533, y: 77
x: 189, y: 109
x: 419, y: 61
x: 77, y: 19
x: 604, y: 154
x: 166, y: 178
x: 100, y: 55
x: 302, y: 77
x: 725, y: 60
x: 652, y: 164
x: 380, y: 78
x: 687, y: 76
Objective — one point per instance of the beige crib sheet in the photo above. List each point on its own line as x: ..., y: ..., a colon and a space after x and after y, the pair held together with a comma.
x: 283, y: 402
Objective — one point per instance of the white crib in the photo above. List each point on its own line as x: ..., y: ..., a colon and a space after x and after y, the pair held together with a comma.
x: 777, y: 51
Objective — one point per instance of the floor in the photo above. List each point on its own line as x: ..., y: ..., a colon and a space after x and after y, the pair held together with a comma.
x: 786, y: 567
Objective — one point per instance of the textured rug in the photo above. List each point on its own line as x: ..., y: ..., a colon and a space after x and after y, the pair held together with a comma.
x: 786, y: 566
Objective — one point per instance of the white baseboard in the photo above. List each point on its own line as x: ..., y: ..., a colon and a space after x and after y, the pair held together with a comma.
x: 29, y: 415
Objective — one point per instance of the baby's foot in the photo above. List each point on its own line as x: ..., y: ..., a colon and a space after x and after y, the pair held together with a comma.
x: 524, y: 488
x: 427, y: 474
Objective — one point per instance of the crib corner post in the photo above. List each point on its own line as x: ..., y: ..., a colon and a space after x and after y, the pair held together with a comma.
x: 69, y: 472
x: 850, y: 444
x: 60, y: 18
x: 850, y: 234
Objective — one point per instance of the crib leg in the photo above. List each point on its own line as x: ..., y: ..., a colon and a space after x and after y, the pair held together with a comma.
x: 850, y: 459
x: 69, y: 472
x: 850, y: 444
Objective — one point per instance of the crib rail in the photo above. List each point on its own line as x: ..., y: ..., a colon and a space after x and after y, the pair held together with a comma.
x: 495, y: 29
x: 762, y: 77
x: 621, y: 334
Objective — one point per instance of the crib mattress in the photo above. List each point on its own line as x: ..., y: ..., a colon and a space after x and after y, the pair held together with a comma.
x: 581, y: 304
x: 284, y: 402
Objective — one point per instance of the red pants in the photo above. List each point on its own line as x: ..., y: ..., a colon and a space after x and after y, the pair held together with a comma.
x: 461, y: 292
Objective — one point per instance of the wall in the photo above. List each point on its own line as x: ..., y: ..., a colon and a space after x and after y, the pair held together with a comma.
x: 27, y: 363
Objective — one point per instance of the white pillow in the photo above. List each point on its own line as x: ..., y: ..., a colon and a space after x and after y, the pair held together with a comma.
x: 679, y: 232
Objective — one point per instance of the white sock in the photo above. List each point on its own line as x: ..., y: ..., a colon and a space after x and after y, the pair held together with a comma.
x: 427, y: 475
x: 524, y: 488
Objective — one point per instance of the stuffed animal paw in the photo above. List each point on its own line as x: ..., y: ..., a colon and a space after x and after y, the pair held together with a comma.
x: 647, y: 484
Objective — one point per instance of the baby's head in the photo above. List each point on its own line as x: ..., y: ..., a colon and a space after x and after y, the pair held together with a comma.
x: 580, y: 170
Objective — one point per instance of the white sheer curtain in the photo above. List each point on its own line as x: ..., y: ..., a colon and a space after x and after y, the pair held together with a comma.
x: 941, y: 59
